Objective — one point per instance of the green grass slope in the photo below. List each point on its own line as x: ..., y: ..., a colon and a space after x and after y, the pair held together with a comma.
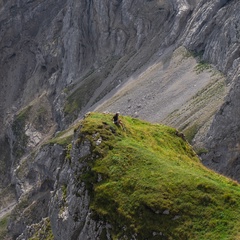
x: 148, y: 183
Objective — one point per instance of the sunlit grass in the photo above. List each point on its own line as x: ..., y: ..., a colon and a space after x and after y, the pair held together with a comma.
x: 153, y: 184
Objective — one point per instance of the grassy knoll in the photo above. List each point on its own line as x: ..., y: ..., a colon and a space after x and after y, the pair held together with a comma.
x: 148, y: 182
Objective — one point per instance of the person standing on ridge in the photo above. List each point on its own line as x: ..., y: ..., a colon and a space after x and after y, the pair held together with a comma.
x: 116, y: 120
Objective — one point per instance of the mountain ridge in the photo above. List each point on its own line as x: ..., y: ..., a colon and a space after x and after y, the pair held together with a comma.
x: 111, y: 183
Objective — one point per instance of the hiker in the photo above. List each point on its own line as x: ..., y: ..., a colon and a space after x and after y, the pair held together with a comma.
x: 116, y: 120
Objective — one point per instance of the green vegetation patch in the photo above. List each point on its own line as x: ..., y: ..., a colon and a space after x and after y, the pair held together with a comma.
x: 201, y: 66
x: 148, y: 182
x: 40, y: 118
x: 191, y: 131
x: 63, y: 138
x: 18, y: 128
x: 63, y: 141
x: 43, y: 231
x: 3, y: 226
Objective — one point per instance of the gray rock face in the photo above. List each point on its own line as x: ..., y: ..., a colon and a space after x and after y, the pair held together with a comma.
x: 50, y: 45
x: 69, y: 207
x: 53, y: 188
x: 33, y: 184
x: 217, y: 36
x: 53, y: 52
x: 223, y: 138
x: 210, y: 33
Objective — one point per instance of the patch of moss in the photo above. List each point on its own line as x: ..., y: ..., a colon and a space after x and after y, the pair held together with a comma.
x: 40, y: 118
x: 77, y: 99
x: 18, y: 128
x: 68, y: 152
x: 201, y: 151
x: 191, y: 131
x: 64, y: 192
x: 43, y: 231
x: 201, y: 66
x: 63, y: 141
x: 3, y: 226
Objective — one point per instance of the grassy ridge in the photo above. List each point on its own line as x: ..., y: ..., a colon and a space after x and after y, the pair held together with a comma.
x: 153, y: 185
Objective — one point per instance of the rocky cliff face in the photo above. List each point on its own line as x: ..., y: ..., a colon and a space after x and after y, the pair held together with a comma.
x: 217, y: 35
x: 72, y: 50
x: 77, y: 50
x: 61, y: 58
x: 51, y: 189
x: 51, y: 45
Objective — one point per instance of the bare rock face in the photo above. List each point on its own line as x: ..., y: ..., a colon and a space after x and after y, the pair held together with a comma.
x: 50, y: 45
x: 69, y: 210
x: 223, y: 137
x: 76, y: 51
x: 217, y: 36
x: 33, y: 186
x: 53, y: 198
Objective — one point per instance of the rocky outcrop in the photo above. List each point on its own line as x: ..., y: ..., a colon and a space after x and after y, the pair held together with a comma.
x: 34, y: 180
x: 69, y: 208
x: 51, y: 188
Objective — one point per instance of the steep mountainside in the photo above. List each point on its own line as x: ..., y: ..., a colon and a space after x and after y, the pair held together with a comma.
x: 72, y: 53
x: 98, y: 181
x: 166, y: 61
